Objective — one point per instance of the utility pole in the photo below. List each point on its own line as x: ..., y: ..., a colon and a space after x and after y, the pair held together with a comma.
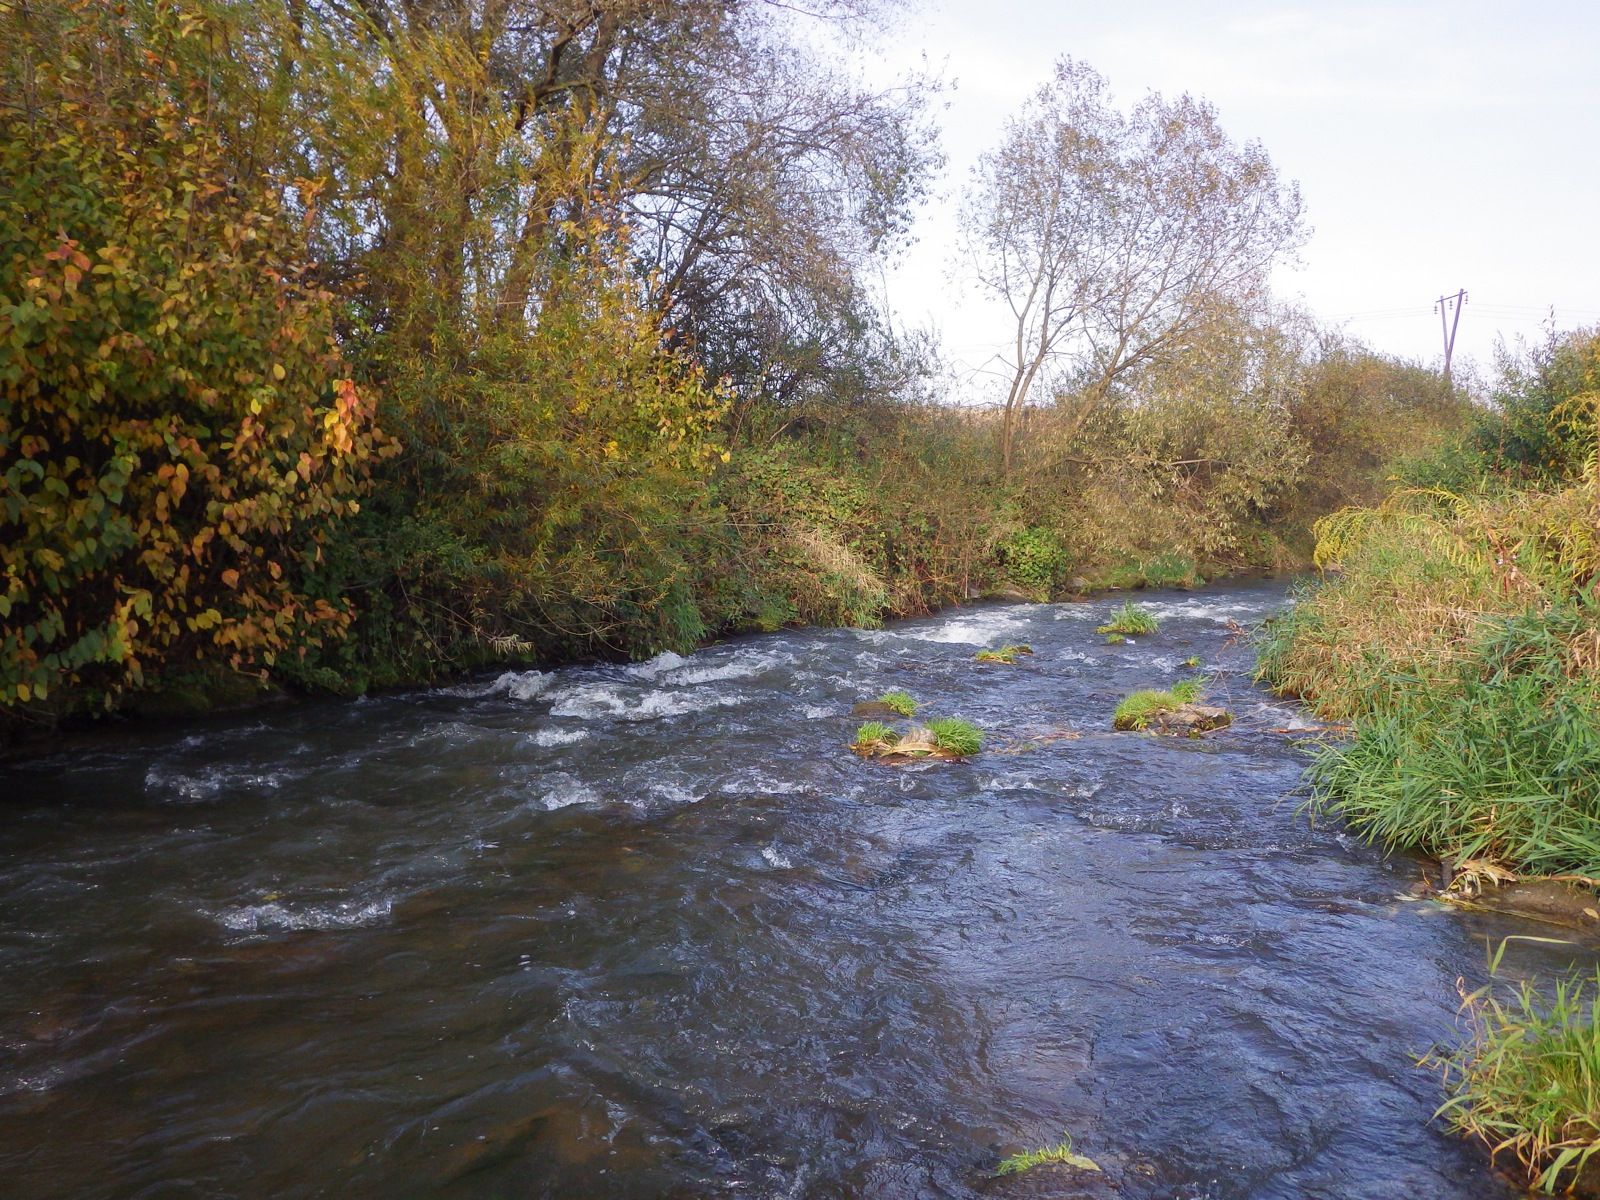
x: 1442, y: 306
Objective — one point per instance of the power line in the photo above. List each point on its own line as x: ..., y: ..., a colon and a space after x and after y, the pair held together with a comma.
x: 1456, y: 302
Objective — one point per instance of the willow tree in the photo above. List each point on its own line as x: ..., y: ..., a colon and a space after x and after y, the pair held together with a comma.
x: 1113, y: 237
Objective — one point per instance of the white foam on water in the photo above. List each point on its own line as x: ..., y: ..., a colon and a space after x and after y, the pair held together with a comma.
x: 972, y: 629
x: 559, y: 737
x: 743, y: 666
x: 521, y: 685
x: 1075, y: 612
x: 590, y: 700
x: 208, y: 782
x: 651, y: 668
x: 1011, y: 781
x: 1217, y: 609
x: 518, y: 685
x: 770, y: 853
x: 676, y: 794
x: 815, y: 712
x: 1077, y: 656
x: 875, y: 637
x: 566, y: 792
x: 275, y: 916
x: 760, y: 784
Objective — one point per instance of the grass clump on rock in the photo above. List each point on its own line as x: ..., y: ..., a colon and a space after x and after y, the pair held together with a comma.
x: 875, y: 733
x: 1528, y: 1079
x: 1005, y: 654
x: 956, y: 736
x: 1061, y: 1153
x: 1130, y: 620
x: 1138, y: 710
x: 899, y: 702
x: 946, y: 737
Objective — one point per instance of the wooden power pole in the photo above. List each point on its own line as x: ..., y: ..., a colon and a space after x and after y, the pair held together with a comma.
x: 1442, y: 306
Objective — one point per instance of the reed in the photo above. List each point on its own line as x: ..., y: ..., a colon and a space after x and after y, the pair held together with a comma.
x: 1527, y: 1082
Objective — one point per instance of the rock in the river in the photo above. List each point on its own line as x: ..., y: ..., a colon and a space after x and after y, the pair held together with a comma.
x: 1189, y: 719
x: 1011, y: 594
x: 1050, y: 1181
x: 874, y: 708
x: 1542, y: 900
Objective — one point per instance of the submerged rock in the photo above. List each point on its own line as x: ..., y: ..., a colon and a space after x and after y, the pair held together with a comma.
x: 1054, y: 1180
x: 1189, y: 719
x: 874, y: 708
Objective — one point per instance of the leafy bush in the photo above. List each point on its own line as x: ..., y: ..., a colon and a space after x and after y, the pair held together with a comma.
x: 177, y: 432
x: 1036, y: 559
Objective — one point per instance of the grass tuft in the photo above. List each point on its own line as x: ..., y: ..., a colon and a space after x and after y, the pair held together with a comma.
x: 875, y: 733
x: 1187, y: 691
x: 1130, y: 620
x: 956, y: 736
x: 1062, y: 1153
x: 1005, y: 654
x: 899, y: 702
x: 1528, y: 1080
x: 1136, y: 710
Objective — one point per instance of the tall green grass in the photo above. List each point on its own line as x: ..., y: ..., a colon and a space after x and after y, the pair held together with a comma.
x: 1501, y: 762
x: 1527, y: 1082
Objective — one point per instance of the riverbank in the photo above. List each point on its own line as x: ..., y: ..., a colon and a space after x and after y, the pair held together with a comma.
x: 1460, y: 638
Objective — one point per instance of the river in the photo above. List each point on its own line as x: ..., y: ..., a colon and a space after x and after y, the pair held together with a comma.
x: 651, y: 931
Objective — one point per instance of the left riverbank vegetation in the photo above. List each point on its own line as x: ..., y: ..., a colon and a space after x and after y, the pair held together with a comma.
x: 353, y: 346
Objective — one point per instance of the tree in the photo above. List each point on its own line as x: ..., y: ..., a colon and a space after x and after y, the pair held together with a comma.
x: 1112, y: 237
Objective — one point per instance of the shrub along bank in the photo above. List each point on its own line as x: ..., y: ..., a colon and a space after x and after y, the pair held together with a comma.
x: 1460, y: 637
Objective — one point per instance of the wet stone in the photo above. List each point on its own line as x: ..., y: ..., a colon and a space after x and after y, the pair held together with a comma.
x: 1547, y: 900
x: 1050, y: 1181
x: 1190, y: 719
x: 873, y: 708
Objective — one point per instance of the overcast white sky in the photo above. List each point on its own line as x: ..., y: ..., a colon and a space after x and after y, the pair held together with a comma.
x: 1438, y: 145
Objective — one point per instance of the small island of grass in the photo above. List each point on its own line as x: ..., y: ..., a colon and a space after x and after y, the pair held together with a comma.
x: 1005, y: 654
x: 945, y: 737
x: 1129, y: 620
x: 1173, y: 711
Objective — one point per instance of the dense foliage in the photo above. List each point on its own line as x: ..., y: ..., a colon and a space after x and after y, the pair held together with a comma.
x: 178, y: 435
x: 598, y: 271
x: 1463, y: 639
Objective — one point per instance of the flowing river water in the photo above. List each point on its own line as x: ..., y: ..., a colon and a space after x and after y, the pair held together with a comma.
x: 650, y: 931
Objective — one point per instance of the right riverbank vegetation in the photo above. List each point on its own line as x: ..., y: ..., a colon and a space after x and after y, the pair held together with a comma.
x: 1458, y: 632
x: 355, y: 346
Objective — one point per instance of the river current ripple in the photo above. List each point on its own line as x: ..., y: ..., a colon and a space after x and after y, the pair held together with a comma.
x: 650, y: 931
